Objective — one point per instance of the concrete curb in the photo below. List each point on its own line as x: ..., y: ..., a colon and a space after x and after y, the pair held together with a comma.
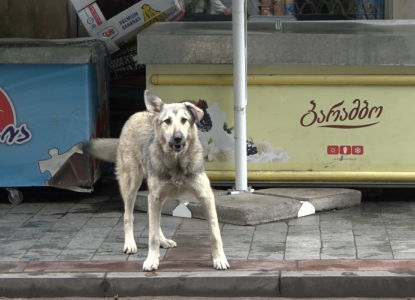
x: 124, y: 284
x: 334, y: 284
x: 31, y: 285
x: 307, y: 284
x: 212, y: 284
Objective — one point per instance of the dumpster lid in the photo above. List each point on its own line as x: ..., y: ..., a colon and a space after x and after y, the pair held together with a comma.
x: 38, y: 51
x: 365, y: 27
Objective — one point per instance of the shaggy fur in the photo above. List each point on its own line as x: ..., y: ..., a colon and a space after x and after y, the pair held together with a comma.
x: 161, y: 145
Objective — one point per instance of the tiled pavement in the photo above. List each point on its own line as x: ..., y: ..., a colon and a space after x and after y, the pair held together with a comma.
x: 89, y: 228
x: 51, y: 241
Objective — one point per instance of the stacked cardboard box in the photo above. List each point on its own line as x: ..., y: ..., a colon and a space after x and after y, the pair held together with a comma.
x: 123, y: 27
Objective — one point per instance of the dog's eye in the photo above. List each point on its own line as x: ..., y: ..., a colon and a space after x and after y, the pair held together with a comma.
x: 167, y: 121
x: 184, y: 120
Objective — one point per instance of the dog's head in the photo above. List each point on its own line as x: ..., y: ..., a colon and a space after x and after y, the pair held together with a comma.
x: 175, y: 123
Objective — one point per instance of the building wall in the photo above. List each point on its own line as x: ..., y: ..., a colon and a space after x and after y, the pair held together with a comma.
x: 403, y: 9
x: 45, y: 19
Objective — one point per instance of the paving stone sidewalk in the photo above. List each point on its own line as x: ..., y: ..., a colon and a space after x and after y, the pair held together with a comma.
x: 89, y: 228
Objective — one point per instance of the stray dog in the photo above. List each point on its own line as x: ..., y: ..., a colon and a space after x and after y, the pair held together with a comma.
x: 161, y: 145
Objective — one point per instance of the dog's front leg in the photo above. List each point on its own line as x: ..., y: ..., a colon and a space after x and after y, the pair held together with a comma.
x: 154, y: 207
x: 207, y: 199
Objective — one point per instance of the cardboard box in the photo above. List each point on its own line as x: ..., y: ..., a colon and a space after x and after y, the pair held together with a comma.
x: 124, y: 27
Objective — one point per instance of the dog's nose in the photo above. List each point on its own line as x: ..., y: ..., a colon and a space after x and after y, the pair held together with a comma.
x: 177, y: 138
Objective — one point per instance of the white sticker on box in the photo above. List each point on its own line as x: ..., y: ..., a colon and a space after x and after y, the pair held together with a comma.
x: 96, y: 13
x: 91, y: 16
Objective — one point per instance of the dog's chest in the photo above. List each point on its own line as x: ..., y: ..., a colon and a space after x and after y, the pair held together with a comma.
x: 177, y: 174
x: 177, y: 177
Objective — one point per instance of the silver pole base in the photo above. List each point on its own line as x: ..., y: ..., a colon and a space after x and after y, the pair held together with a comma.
x: 233, y: 191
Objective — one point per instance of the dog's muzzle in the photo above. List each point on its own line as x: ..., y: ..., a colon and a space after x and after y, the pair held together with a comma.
x: 177, y: 143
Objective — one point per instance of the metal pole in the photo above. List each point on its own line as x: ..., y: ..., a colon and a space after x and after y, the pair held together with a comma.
x: 240, y: 95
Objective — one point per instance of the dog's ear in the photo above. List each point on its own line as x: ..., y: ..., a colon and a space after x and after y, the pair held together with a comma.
x: 195, y: 111
x: 153, y: 103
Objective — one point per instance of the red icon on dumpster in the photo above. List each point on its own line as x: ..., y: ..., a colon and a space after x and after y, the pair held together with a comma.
x: 357, y: 150
x: 10, y: 133
x: 333, y: 150
x: 345, y: 150
x: 7, y: 113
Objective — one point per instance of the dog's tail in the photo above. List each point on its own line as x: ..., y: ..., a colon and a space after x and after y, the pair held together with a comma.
x: 105, y: 149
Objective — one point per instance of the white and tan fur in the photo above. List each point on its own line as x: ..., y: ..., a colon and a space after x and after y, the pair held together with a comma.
x: 161, y: 145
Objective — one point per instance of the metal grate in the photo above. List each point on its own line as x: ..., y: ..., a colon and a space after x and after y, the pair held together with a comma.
x: 339, y: 9
x: 123, y: 62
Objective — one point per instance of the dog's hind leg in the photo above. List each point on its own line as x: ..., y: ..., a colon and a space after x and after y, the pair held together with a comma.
x: 154, y: 216
x: 203, y: 192
x: 165, y: 243
x: 130, y: 181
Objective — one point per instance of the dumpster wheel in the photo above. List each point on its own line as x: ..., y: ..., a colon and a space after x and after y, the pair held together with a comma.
x: 15, y: 196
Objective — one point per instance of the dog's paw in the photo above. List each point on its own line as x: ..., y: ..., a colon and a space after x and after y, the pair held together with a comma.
x: 166, y: 243
x: 151, y: 264
x: 130, y: 248
x: 220, y: 263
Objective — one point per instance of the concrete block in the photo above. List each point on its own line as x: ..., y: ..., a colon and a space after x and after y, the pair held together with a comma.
x: 182, y: 211
x: 76, y: 255
x: 102, y: 222
x: 270, y: 237
x: 334, y: 284
x: 11, y: 255
x: 26, y: 209
x: 380, y: 251
x: 321, y: 198
x: 308, y: 221
x: 334, y: 225
x: 52, y: 209
x: 338, y: 250
x: 18, y: 244
x: 110, y: 257
x: 240, y: 255
x: 194, y: 284
x: 337, y: 235
x: 141, y: 202
x: 301, y: 253
x: 263, y: 206
x: 295, y: 244
x: 304, y: 232
x: 35, y: 285
x: 250, y: 209
x: 258, y: 255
